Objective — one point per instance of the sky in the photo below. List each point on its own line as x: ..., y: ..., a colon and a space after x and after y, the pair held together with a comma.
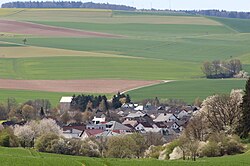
x: 230, y: 5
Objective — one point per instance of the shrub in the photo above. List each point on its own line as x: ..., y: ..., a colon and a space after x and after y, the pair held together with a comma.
x: 90, y: 149
x: 44, y: 142
x: 25, y: 135
x: 224, y: 146
x: 211, y: 150
x: 246, y: 140
x: 4, y: 139
x: 59, y: 146
x: 121, y: 147
x: 153, y: 151
x: 170, y: 147
x: 74, y: 146
x: 233, y: 147
x: 7, y: 138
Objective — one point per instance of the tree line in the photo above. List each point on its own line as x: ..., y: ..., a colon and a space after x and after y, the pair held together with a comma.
x: 88, y: 102
x: 219, y: 13
x: 65, y: 4
x: 222, y: 69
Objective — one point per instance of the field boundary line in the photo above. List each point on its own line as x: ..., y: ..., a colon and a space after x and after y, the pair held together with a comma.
x: 78, y: 30
x: 145, y: 86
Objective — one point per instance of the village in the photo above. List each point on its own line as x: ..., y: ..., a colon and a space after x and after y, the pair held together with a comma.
x: 164, y: 120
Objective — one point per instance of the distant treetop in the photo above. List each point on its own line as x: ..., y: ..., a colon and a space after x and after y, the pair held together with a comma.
x: 65, y: 4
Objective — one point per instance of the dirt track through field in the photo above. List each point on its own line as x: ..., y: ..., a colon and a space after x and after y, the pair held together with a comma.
x: 77, y: 86
x: 16, y: 27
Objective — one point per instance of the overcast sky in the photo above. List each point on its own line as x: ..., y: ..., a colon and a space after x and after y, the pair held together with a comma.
x: 232, y: 5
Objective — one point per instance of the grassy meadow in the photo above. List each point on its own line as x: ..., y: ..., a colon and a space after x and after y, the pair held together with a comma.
x: 22, y: 96
x: 187, y: 90
x: 54, y: 68
x: 23, y: 157
x: 157, y: 46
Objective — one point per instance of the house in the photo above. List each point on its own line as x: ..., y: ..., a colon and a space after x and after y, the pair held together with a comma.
x: 127, y: 106
x: 130, y: 123
x: 117, y: 127
x: 139, y: 108
x: 88, y: 133
x: 100, y: 126
x: 173, y: 125
x: 182, y: 124
x: 65, y: 103
x: 133, y: 116
x: 168, y: 125
x: 99, y: 120
x: 166, y: 117
x: 121, y: 113
x: 105, y: 129
x: 107, y: 134
x: 145, y: 127
x: 149, y: 106
x: 174, y: 110
x: 72, y: 131
x: 182, y: 114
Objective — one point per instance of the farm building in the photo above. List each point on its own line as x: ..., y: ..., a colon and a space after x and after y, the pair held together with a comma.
x: 65, y: 103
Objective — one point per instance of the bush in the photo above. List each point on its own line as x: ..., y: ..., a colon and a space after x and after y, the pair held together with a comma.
x: 170, y: 147
x: 121, y: 147
x: 246, y: 140
x: 153, y: 151
x: 59, y: 146
x: 233, y: 147
x: 90, y: 149
x: 211, y: 150
x: 25, y: 135
x: 223, y: 146
x: 4, y: 139
x: 44, y: 142
x: 7, y: 138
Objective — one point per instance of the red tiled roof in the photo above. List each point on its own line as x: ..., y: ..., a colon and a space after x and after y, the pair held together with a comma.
x: 81, y: 128
x: 92, y: 132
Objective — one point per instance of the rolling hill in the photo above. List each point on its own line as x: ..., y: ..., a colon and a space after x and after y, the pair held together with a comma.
x: 141, y: 46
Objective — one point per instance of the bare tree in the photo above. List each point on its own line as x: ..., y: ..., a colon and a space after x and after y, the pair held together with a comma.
x: 78, y: 117
x: 197, y: 127
x: 154, y: 139
x: 24, y: 41
x: 28, y: 112
x: 188, y: 144
x: 207, y: 69
x: 235, y: 66
x: 223, y: 111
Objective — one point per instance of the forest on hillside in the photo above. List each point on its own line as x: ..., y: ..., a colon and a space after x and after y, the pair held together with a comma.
x: 220, y: 13
x: 65, y: 4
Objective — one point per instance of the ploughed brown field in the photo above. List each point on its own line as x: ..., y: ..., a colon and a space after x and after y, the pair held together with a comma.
x: 77, y: 86
x: 17, y: 27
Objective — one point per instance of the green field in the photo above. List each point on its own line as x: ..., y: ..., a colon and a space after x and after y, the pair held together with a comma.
x: 94, y: 68
x: 240, y: 25
x: 187, y: 90
x: 24, y: 157
x: 157, y: 46
x: 22, y: 96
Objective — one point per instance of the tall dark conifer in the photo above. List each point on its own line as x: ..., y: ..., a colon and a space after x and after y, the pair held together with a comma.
x: 244, y: 126
x: 42, y: 113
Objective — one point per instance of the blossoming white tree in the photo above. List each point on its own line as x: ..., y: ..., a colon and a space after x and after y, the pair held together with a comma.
x: 34, y: 129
